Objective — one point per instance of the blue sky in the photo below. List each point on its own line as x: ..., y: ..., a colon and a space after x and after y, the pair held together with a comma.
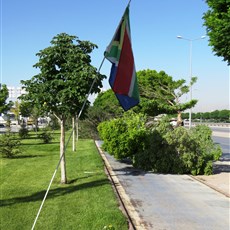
x: 28, y: 26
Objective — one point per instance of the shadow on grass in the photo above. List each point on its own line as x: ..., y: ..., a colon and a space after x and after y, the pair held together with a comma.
x: 38, y: 196
x: 41, y: 143
x: 22, y: 156
x: 27, y: 156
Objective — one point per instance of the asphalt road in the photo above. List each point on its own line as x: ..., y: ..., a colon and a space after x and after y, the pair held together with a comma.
x: 221, y: 136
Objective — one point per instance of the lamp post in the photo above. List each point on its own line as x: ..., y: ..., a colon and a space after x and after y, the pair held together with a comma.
x: 190, y: 71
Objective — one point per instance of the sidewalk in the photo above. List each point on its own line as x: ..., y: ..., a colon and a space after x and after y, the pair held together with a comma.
x: 219, y: 182
x: 175, y: 202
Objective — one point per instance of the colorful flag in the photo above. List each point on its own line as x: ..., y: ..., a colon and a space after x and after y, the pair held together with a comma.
x: 123, y: 78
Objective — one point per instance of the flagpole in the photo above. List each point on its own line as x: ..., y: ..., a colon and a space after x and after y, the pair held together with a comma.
x: 87, y: 96
x: 51, y: 181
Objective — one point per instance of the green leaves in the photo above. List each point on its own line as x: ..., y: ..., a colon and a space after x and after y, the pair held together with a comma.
x: 121, y: 135
x: 161, y: 94
x: 4, y: 106
x: 65, y: 76
x: 216, y: 20
x: 160, y: 148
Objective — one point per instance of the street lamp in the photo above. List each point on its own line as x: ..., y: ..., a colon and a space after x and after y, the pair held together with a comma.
x: 190, y: 72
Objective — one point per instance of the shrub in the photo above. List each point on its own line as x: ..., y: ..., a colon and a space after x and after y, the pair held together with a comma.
x: 23, y: 132
x: 158, y: 155
x: 46, y: 136
x: 160, y: 148
x: 121, y: 135
x: 9, y: 145
x: 207, y: 151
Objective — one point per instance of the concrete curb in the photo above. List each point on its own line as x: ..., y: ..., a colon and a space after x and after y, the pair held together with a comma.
x: 210, y: 186
x: 134, y: 216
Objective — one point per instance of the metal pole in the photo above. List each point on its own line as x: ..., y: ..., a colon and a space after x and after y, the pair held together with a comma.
x: 90, y: 89
x: 51, y: 181
x: 1, y: 57
x: 190, y: 64
x: 190, y: 72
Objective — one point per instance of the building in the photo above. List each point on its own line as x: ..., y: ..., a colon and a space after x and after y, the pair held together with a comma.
x: 15, y: 92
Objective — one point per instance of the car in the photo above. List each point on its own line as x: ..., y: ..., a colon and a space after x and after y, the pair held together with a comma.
x: 173, y: 122
x: 13, y: 122
x: 2, y: 126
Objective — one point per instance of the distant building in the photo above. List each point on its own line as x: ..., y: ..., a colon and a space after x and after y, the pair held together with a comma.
x: 15, y: 92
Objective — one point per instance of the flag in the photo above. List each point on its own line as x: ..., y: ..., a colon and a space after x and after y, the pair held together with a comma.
x: 123, y: 78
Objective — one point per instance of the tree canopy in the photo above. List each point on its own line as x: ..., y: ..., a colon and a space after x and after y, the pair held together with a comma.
x: 161, y: 94
x: 4, y: 94
x: 65, y: 76
x: 216, y: 20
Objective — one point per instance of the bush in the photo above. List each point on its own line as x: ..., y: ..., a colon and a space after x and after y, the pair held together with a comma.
x: 160, y: 148
x: 9, y: 145
x: 46, y: 136
x: 195, y: 148
x: 121, y: 135
x: 23, y: 132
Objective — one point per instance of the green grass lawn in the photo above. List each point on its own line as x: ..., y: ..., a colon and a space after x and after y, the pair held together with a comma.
x: 87, y: 202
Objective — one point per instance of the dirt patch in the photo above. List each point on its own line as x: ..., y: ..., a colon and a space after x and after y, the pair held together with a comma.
x: 220, y: 182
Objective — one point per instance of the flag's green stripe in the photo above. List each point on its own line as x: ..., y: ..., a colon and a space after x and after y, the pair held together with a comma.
x: 135, y: 92
x: 114, y: 52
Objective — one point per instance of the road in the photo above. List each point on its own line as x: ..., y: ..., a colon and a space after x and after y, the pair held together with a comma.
x: 221, y: 136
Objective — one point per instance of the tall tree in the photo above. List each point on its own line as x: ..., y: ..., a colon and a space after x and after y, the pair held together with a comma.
x: 161, y: 94
x: 105, y: 107
x: 4, y: 94
x: 108, y: 105
x: 65, y: 77
x: 217, y: 22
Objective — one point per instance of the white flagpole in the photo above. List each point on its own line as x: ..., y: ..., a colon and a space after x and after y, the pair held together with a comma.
x: 87, y: 96
x: 51, y: 181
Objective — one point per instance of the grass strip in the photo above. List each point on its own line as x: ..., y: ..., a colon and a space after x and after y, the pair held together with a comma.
x: 86, y: 202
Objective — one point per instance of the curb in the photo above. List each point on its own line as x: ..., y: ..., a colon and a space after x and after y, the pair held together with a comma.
x: 210, y: 186
x: 132, y: 213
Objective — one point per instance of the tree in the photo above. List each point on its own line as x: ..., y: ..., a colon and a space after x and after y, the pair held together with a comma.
x: 105, y: 107
x: 224, y: 115
x: 214, y: 115
x: 216, y: 20
x: 31, y: 110
x: 108, y: 104
x: 161, y: 94
x: 25, y: 108
x: 4, y: 94
x: 65, y: 78
x: 16, y: 110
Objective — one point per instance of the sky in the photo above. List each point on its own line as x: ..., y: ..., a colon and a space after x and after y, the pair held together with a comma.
x: 28, y: 26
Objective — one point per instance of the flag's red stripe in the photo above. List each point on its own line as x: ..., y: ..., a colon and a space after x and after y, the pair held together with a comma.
x: 125, y: 67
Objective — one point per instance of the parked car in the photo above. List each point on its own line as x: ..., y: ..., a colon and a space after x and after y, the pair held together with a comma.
x: 173, y: 122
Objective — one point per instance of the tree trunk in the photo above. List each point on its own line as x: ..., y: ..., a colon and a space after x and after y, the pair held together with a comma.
x: 62, y: 153
x: 179, y: 119
x: 77, y: 127
x: 74, y: 134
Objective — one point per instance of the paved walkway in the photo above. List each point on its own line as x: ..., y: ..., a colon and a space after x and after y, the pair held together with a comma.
x: 168, y: 202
